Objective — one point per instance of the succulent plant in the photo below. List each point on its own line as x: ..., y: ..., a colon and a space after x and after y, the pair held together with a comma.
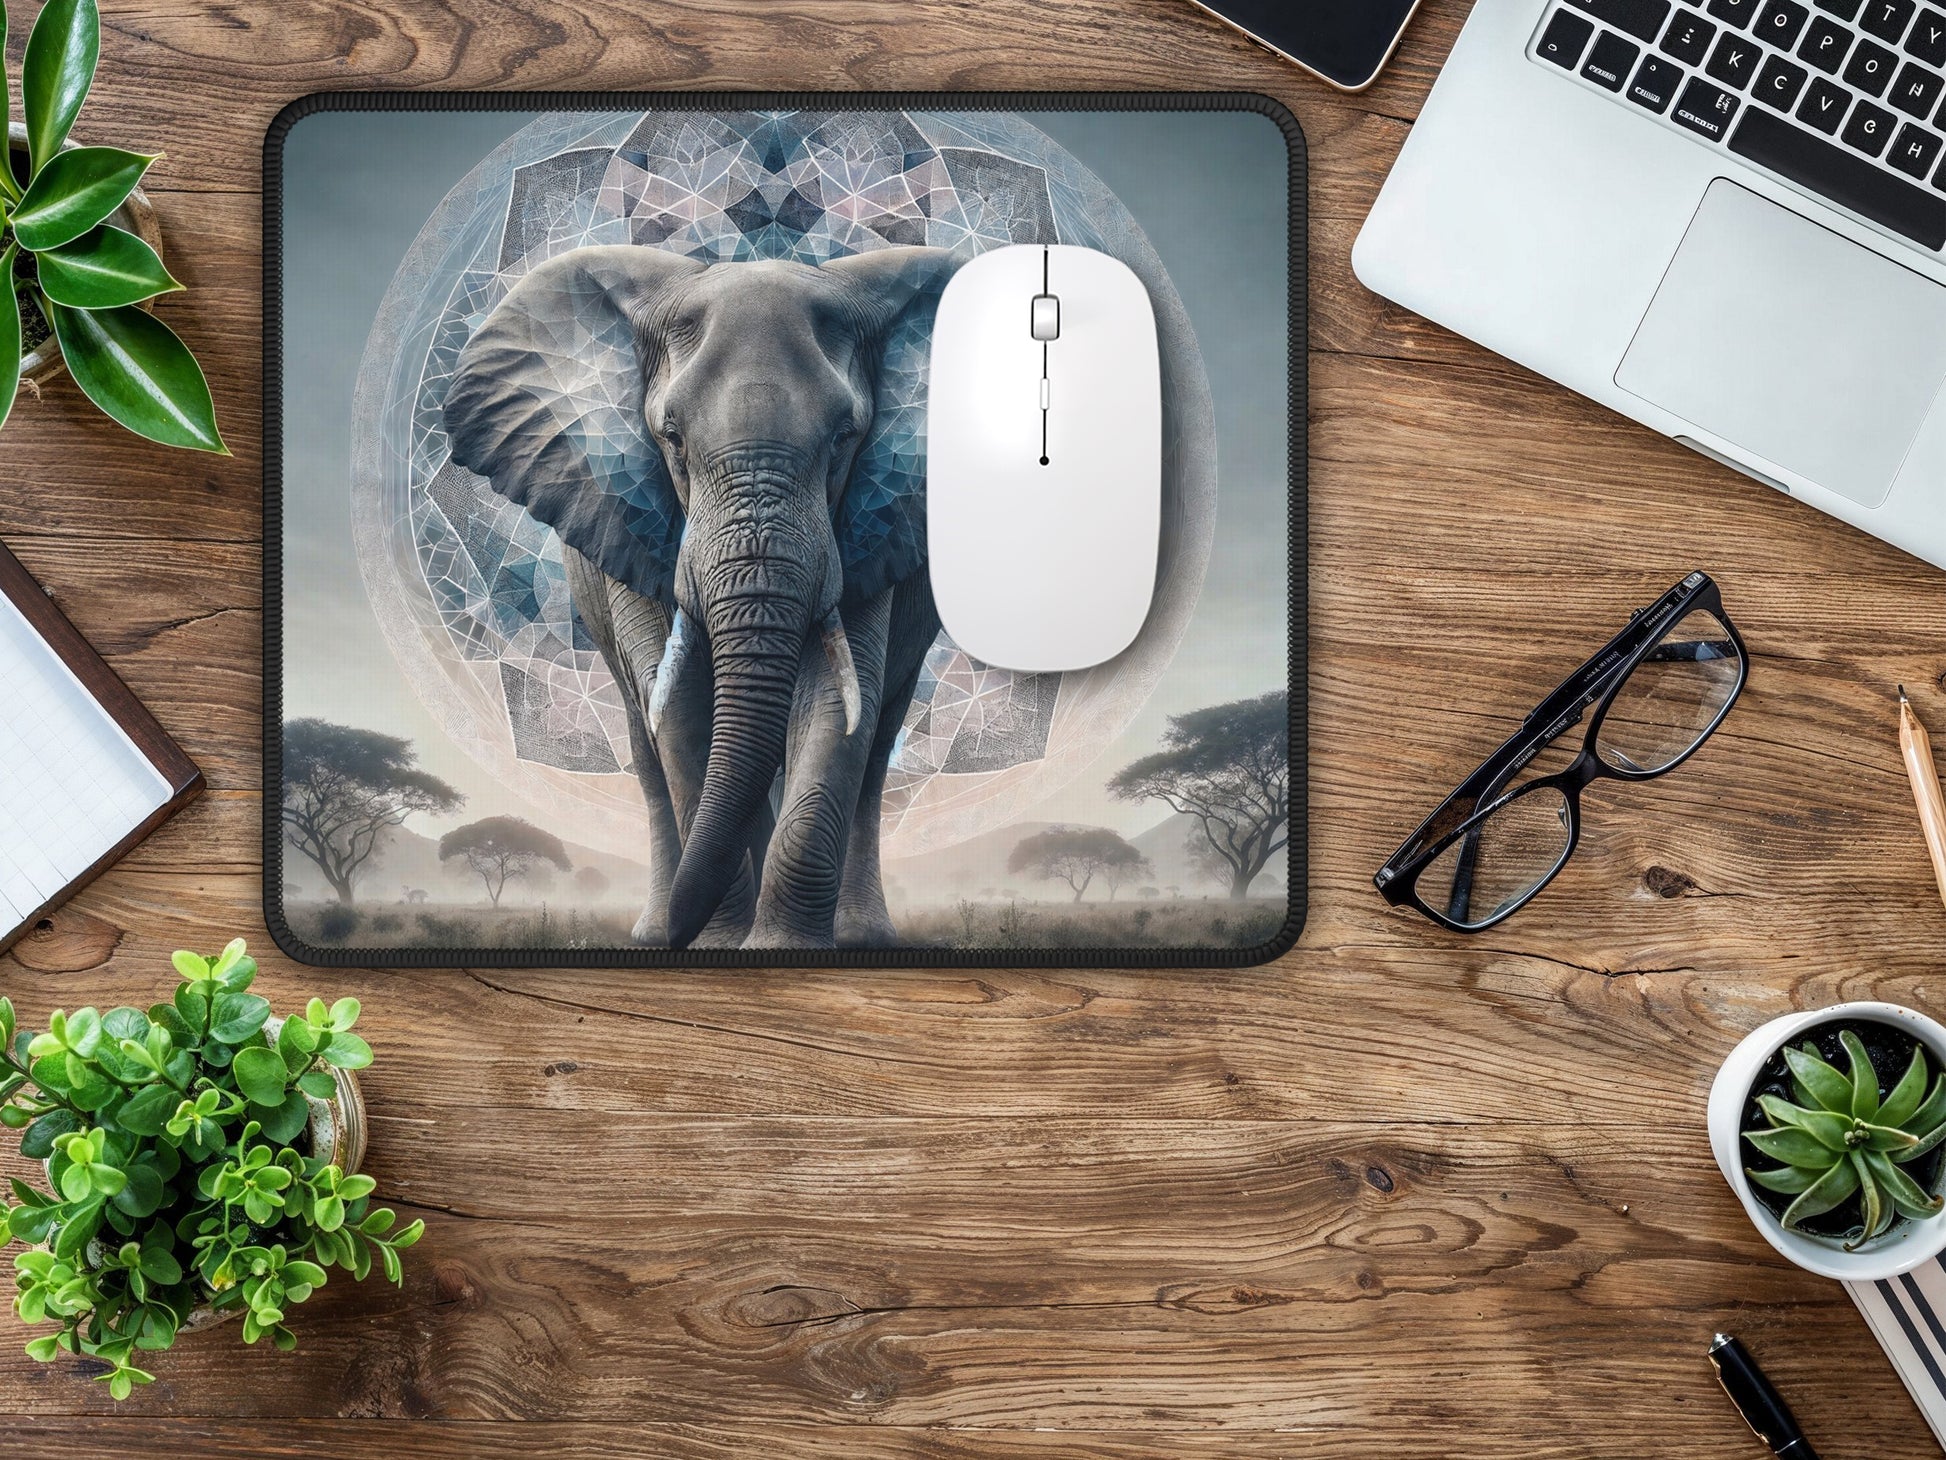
x: 1843, y: 1138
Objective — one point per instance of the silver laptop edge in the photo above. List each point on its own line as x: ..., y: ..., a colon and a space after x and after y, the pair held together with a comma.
x: 1553, y: 221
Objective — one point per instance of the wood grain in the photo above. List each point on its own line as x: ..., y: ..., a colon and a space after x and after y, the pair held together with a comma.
x: 1403, y: 1193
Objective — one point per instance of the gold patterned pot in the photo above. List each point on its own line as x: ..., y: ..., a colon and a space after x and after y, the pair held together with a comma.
x: 136, y: 214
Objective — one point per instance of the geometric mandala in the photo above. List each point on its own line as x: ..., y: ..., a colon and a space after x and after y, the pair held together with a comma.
x: 471, y: 590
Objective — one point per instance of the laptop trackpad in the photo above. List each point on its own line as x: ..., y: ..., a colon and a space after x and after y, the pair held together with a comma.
x: 1792, y: 342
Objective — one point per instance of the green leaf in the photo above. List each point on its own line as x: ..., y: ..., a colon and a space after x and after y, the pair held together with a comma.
x: 227, y: 959
x: 261, y: 1076
x: 1871, y: 1201
x: 74, y: 192
x: 295, y: 1041
x: 32, y: 1224
x: 37, y: 1142
x: 83, y: 1035
x: 1886, y: 1138
x: 143, y: 1193
x: 1791, y: 1146
x: 1906, y: 1194
x: 75, y: 1184
x: 1926, y: 1143
x: 1905, y: 1096
x: 10, y: 352
x: 1823, y: 1194
x: 1829, y: 1129
x: 235, y: 1017
x: 1823, y: 1084
x: 132, y: 365
x: 410, y: 1233
x: 1864, y: 1079
x: 192, y: 1003
x: 1930, y: 1114
x: 395, y: 1273
x: 344, y: 1013
x: 42, y: 1350
x: 125, y: 1023
x: 56, y: 73
x: 347, y: 1052
x: 283, y: 1123
x: 190, y: 965
x: 1789, y: 1180
x: 103, y: 268
x: 318, y: 1084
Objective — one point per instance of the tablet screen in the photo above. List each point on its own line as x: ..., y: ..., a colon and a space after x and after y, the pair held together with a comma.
x: 1345, y: 41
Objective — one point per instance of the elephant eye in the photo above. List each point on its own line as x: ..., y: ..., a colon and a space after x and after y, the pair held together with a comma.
x: 673, y: 438
x: 843, y: 436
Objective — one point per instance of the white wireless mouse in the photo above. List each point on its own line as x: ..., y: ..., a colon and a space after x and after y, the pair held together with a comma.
x: 1044, y: 457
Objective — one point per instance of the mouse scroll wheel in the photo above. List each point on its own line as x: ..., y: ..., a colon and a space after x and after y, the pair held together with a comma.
x: 1047, y: 317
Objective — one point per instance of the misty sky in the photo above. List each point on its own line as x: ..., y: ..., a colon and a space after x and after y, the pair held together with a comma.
x: 358, y: 187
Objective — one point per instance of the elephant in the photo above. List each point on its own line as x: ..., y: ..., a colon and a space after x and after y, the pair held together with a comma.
x: 753, y: 575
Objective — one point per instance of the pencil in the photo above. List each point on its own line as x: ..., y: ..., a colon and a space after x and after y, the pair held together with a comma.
x: 1916, y: 747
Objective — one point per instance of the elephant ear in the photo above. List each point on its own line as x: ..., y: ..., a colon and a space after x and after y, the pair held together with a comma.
x: 546, y: 404
x: 881, y: 519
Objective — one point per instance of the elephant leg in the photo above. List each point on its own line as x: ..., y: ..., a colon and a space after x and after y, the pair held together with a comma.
x: 823, y: 767
x: 631, y: 631
x: 863, y: 919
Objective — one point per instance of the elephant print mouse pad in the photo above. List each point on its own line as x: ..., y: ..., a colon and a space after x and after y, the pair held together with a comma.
x: 599, y: 625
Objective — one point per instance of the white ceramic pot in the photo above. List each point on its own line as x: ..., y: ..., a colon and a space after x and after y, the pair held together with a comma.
x: 1900, y: 1250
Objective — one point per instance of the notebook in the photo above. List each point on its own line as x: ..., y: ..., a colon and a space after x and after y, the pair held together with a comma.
x: 1908, y: 1316
x: 85, y: 771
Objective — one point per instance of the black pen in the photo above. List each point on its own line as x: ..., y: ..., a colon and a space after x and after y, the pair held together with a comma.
x: 1761, y: 1406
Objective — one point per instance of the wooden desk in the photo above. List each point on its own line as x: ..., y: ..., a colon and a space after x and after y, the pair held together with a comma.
x: 1403, y: 1194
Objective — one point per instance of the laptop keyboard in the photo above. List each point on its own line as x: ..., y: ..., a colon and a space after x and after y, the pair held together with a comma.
x: 1845, y: 99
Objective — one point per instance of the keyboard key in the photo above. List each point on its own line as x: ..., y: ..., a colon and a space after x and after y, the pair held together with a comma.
x: 1736, y: 12
x: 1565, y: 38
x: 1914, y: 151
x: 1779, y: 83
x: 1781, y: 23
x: 1887, y: 19
x: 1734, y: 61
x: 1706, y: 109
x: 1928, y: 38
x: 1843, y: 177
x: 1870, y: 68
x: 1870, y: 128
x: 1843, y: 9
x: 1916, y: 90
x: 1655, y: 84
x: 1825, y: 44
x: 1688, y: 38
x: 1825, y: 106
x: 1640, y: 18
x: 1611, y: 60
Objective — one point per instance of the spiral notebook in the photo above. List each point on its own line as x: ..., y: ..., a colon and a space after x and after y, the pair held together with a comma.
x: 85, y: 771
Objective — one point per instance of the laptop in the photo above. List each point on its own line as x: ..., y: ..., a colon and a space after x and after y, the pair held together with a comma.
x: 1725, y: 219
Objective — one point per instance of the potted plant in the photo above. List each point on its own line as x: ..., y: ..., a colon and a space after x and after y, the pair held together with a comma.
x: 78, y: 253
x: 1831, y: 1128
x: 201, y: 1161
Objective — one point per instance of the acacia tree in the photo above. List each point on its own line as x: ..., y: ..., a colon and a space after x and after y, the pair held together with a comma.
x: 1076, y: 855
x: 501, y: 848
x: 1229, y: 766
x: 344, y: 787
x: 592, y: 880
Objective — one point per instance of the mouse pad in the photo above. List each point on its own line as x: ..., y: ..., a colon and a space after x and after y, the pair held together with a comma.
x: 599, y: 629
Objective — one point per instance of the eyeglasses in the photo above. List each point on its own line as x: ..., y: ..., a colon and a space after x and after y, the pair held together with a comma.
x: 1658, y: 690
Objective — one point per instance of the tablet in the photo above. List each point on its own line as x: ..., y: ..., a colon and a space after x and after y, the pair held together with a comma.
x: 1347, y: 42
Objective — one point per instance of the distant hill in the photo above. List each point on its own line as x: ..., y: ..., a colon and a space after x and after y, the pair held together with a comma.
x: 406, y: 859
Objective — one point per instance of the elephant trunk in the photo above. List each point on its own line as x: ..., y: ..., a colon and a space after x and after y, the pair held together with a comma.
x: 760, y: 580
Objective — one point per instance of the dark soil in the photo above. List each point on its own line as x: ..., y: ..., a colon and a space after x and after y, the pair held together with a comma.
x: 34, y: 328
x: 1891, y: 1051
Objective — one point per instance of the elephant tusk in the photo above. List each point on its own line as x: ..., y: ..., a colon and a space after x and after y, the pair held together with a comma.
x: 837, y: 648
x: 675, y: 653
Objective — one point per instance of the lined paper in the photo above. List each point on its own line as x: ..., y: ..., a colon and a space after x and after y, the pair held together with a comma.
x: 72, y: 783
x: 1907, y: 1314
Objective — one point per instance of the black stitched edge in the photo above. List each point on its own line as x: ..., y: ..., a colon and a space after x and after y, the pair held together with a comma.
x: 1297, y: 853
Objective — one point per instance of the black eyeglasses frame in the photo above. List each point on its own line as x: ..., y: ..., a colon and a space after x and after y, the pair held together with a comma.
x: 1596, y: 683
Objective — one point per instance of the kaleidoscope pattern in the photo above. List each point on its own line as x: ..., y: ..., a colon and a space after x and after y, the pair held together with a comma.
x: 470, y: 586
